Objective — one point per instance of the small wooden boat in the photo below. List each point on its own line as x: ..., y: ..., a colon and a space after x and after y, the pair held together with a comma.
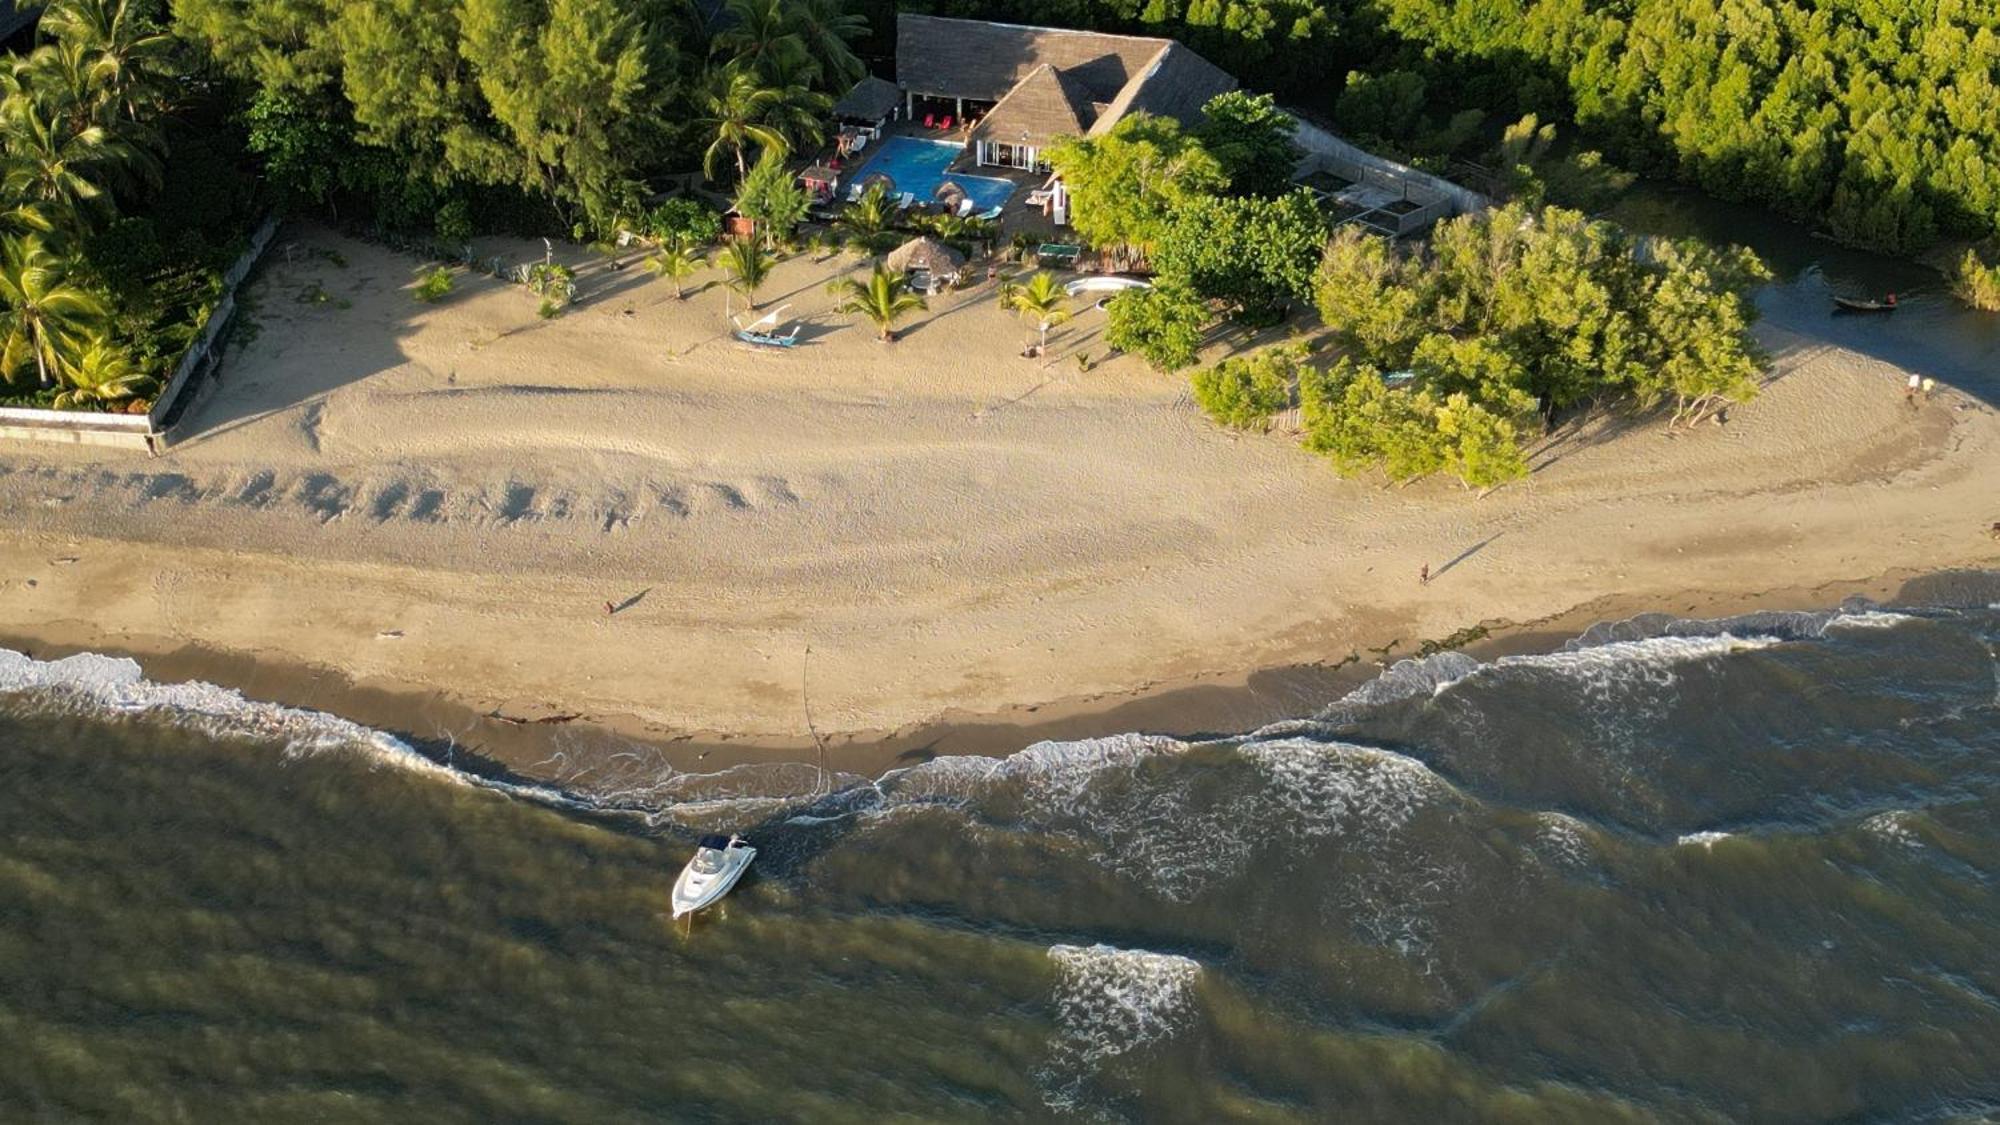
x: 1858, y: 304
x: 764, y: 331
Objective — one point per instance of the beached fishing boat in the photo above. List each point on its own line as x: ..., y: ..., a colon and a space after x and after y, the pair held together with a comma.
x: 719, y: 861
x: 1858, y: 304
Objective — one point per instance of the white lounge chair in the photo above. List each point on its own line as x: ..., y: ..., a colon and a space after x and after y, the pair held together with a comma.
x: 854, y: 193
x: 965, y: 206
x: 904, y: 200
x: 988, y: 215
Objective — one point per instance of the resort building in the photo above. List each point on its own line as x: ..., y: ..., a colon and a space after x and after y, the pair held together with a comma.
x: 980, y: 103
x: 1019, y: 88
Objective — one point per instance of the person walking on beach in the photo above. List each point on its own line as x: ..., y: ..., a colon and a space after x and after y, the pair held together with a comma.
x: 610, y: 610
x: 1424, y: 575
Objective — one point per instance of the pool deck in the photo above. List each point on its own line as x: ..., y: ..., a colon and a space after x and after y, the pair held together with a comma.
x: 1016, y: 217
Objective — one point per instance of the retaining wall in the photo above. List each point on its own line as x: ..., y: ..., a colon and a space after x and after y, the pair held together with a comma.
x: 150, y: 431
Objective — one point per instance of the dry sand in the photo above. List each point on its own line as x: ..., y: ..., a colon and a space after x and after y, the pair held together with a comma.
x: 443, y: 498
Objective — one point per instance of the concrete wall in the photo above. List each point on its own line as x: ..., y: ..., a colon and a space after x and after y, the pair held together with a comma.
x: 1325, y: 151
x: 149, y: 431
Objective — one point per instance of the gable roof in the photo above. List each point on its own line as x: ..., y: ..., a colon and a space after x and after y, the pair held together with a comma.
x: 1176, y: 84
x: 981, y: 61
x: 1046, y: 104
x: 1047, y: 82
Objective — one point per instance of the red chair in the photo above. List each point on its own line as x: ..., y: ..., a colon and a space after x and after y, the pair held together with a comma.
x: 945, y: 125
x: 929, y: 121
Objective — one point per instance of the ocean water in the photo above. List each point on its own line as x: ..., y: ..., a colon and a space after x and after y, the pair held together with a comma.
x: 1676, y: 871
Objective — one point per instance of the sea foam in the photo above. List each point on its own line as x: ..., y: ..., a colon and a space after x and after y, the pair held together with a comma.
x: 93, y: 682
x: 1111, y: 1002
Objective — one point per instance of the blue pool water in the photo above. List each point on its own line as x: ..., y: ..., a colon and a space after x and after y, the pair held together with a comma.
x: 918, y: 167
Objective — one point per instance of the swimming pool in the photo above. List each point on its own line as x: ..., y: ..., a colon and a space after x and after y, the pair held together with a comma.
x: 918, y: 167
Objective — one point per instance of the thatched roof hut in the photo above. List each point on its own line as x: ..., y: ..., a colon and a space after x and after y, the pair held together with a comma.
x: 926, y: 254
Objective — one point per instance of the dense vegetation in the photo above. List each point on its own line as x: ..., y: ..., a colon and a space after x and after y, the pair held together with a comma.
x: 110, y: 252
x: 1503, y: 318
x: 1878, y: 118
x: 517, y: 112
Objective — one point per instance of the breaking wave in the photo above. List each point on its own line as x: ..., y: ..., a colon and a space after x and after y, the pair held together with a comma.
x: 1111, y: 1002
x: 89, y: 682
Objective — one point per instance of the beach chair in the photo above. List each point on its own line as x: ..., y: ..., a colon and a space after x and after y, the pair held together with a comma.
x: 965, y: 206
x: 854, y: 193
x: 930, y: 121
x: 904, y: 200
x: 989, y: 215
x: 944, y: 126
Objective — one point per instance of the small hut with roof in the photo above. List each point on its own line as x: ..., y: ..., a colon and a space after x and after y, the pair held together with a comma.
x: 930, y: 264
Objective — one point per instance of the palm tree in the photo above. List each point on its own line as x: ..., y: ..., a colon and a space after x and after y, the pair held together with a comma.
x: 760, y: 35
x: 103, y: 374
x: 827, y: 28
x: 882, y: 300
x: 748, y: 265
x: 737, y: 106
x: 128, y: 53
x: 45, y: 314
x: 1041, y: 299
x: 676, y: 261
x: 801, y: 111
x: 868, y: 222
x: 47, y: 164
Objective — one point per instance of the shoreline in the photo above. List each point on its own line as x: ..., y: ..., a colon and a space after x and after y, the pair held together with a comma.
x: 554, y: 745
x: 423, y: 514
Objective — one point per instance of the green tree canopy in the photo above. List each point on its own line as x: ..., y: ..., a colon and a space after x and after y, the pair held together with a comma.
x: 1126, y: 185
x: 1251, y: 138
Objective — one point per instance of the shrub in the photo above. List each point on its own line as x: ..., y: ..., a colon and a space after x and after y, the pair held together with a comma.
x: 1976, y: 283
x: 1164, y: 325
x: 434, y: 285
x: 1245, y: 391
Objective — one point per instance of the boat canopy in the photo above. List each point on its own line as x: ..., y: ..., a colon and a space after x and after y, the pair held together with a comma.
x: 720, y: 843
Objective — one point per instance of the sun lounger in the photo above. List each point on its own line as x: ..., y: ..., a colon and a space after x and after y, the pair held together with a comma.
x: 965, y: 206
x: 854, y: 193
x: 930, y: 121
x: 945, y: 125
x: 988, y: 215
x: 904, y: 200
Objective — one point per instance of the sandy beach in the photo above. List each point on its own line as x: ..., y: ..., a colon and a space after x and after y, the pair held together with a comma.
x: 442, y: 499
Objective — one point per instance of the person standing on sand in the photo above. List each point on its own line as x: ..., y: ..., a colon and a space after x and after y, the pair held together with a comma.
x: 1910, y: 391
x: 1424, y: 575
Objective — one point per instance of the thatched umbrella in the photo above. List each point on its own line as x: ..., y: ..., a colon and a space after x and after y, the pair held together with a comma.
x: 949, y: 194
x: 927, y: 254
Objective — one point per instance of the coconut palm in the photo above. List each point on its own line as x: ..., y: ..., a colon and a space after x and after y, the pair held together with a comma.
x: 128, y: 53
x: 736, y: 107
x: 45, y: 315
x: 748, y: 266
x: 61, y: 171
x: 103, y: 374
x: 828, y: 29
x: 1041, y: 299
x: 801, y: 111
x: 759, y: 34
x: 882, y: 300
x: 868, y: 223
x: 676, y: 261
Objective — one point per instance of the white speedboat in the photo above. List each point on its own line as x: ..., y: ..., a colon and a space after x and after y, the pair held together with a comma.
x: 1108, y: 284
x: 719, y: 861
